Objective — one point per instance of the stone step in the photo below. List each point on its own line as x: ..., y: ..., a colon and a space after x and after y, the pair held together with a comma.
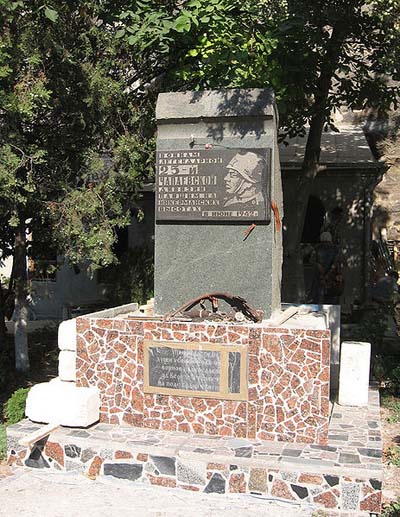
x: 344, y: 475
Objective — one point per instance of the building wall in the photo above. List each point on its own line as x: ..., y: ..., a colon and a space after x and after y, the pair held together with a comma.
x: 6, y: 267
x: 352, y: 191
x: 54, y: 299
x: 386, y: 209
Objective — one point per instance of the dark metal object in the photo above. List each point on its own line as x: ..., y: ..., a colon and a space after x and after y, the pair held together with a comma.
x: 238, y: 304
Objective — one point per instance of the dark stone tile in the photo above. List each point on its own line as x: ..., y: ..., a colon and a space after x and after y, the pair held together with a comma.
x: 301, y: 491
x: 372, y: 424
x: 337, y: 415
x: 371, y: 453
x: 348, y: 458
x: 102, y: 427
x: 87, y: 454
x: 341, y: 437
x: 164, y: 465
x: 293, y: 453
x: 244, y: 452
x: 216, y: 485
x: 72, y: 451
x: 331, y: 480
x: 36, y: 459
x: 233, y: 467
x: 327, y: 448
x: 131, y: 471
x: 142, y: 442
x: 376, y: 484
x: 203, y: 451
x: 79, y: 434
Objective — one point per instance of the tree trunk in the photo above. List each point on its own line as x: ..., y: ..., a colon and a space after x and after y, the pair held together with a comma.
x: 293, y: 262
x: 21, y: 303
x: 3, y: 329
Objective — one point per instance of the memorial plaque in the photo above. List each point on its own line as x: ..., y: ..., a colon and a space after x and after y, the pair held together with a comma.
x: 195, y: 369
x: 213, y: 185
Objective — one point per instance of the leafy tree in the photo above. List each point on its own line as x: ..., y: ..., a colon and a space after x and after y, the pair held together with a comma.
x: 316, y: 54
x: 69, y: 156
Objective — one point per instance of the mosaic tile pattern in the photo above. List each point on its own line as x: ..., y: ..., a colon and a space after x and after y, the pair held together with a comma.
x: 288, y: 379
x: 339, y: 476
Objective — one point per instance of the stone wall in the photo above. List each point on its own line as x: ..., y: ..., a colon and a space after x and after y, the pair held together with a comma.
x: 288, y: 379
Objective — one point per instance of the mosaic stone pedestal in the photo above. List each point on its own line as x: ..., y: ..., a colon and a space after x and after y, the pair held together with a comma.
x: 343, y: 476
x: 287, y: 378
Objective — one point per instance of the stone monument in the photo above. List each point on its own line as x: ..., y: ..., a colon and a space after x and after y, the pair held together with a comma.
x: 218, y: 198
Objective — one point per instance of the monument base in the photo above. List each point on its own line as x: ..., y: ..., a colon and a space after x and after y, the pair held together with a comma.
x: 226, y: 379
x: 345, y: 475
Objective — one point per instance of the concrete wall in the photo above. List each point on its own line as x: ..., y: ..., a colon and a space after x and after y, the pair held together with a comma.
x: 54, y: 298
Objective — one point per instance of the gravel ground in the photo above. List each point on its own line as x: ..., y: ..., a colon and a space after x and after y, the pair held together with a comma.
x: 28, y: 493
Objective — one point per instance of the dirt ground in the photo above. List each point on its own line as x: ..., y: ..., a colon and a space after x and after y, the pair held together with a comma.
x: 33, y: 493
x: 390, y: 436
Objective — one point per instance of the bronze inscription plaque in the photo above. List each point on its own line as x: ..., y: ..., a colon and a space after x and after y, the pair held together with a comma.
x: 195, y: 369
x: 213, y: 185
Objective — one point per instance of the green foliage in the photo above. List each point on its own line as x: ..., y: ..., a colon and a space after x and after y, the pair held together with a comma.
x: 201, y: 43
x: 393, y: 384
x: 131, y: 280
x: 316, y: 54
x: 67, y: 121
x: 392, y: 403
x: 385, y: 370
x: 392, y: 509
x: 392, y: 454
x: 14, y: 408
x: 374, y: 325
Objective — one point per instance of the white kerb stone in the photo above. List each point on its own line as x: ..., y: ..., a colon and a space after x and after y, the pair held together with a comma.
x: 63, y: 403
x: 67, y: 335
x: 354, y: 373
x: 67, y: 365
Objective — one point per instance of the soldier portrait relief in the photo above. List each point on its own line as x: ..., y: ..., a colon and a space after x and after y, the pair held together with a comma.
x: 243, y: 180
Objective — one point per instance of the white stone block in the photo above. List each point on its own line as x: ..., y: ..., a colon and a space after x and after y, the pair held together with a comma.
x: 67, y: 335
x: 67, y: 365
x: 63, y: 403
x: 354, y: 373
